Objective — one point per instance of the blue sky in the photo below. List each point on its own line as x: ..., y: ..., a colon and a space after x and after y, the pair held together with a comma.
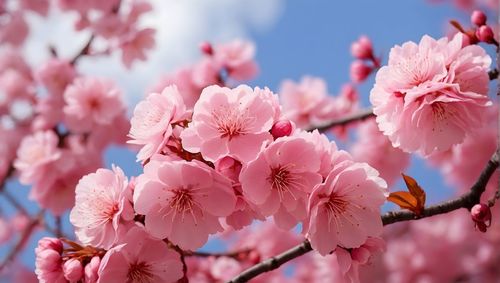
x: 313, y: 38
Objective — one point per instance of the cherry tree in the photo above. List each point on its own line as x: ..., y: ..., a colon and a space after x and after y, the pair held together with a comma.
x: 256, y: 168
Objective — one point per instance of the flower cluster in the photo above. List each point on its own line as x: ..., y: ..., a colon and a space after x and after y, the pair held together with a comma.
x: 431, y: 95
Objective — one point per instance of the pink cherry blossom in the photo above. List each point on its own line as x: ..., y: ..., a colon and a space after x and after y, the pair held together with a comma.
x: 300, y: 101
x: 376, y: 149
x: 48, y: 264
x: 431, y: 95
x: 134, y: 46
x: 91, y: 270
x: 279, y: 180
x: 103, y: 209
x: 15, y: 30
x: 345, y: 209
x: 238, y: 58
x: 39, y: 6
x: 462, y: 164
x: 55, y: 75
x: 182, y: 201
x: 234, y: 122
x: 92, y: 102
x: 151, y: 124
x: 35, y: 156
x: 140, y: 259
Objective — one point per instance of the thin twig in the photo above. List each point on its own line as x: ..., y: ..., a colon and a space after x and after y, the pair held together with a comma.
x: 84, y: 51
x: 493, y: 74
x: 465, y: 201
x: 361, y: 115
x: 23, y: 239
x: 234, y: 254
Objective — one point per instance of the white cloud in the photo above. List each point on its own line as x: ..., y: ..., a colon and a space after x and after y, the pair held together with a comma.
x: 181, y: 25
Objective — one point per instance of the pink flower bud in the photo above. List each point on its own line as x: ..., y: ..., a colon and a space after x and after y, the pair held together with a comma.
x: 485, y: 34
x: 359, y: 71
x: 481, y: 213
x: 50, y: 243
x: 73, y: 270
x: 362, y: 49
x: 206, y: 48
x: 478, y: 18
x: 91, y: 270
x: 360, y: 255
x: 281, y: 128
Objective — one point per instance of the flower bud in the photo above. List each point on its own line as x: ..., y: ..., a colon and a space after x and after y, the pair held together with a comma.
x: 362, y: 49
x: 478, y: 18
x: 91, y: 270
x: 359, y: 71
x: 73, y: 270
x: 481, y: 213
x: 485, y: 34
x: 281, y: 128
x: 206, y: 48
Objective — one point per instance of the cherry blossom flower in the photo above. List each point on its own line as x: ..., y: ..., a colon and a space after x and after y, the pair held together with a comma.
x: 432, y: 94
x: 134, y: 46
x: 92, y: 102
x: 35, y: 156
x: 234, y: 122
x: 279, y: 180
x: 462, y: 164
x: 376, y: 149
x: 55, y: 75
x: 151, y: 124
x: 345, y: 209
x: 140, y: 259
x: 301, y: 101
x: 237, y: 57
x: 103, y: 209
x: 182, y: 201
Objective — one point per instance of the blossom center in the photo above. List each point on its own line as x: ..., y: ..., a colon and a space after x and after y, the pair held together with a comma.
x: 282, y: 180
x: 140, y: 272
x: 230, y: 122
x: 182, y: 203
x: 336, y: 205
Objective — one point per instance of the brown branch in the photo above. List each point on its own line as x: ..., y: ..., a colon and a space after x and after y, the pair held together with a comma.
x: 360, y: 116
x: 84, y: 51
x: 467, y: 200
x: 23, y: 239
x: 234, y: 254
x: 493, y: 74
x: 273, y: 263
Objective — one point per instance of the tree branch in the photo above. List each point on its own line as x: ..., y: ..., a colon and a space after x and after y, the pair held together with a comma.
x: 361, y: 115
x: 467, y: 200
x: 234, y: 254
x: 23, y: 239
